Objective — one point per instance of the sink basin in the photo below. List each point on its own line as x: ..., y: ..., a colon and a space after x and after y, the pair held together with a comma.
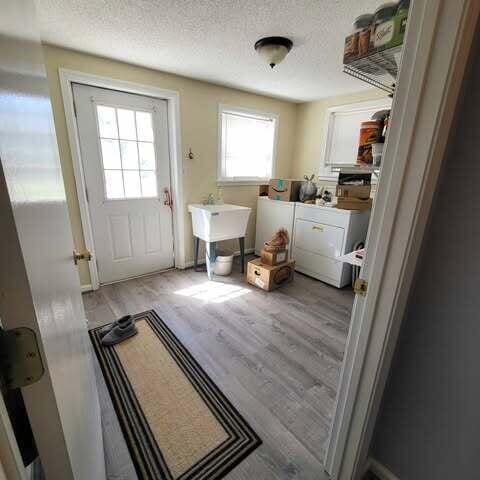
x: 214, y: 223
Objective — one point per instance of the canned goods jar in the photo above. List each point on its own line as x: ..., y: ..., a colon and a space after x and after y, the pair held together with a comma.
x: 383, y: 13
x: 363, y: 25
x: 350, y: 50
x: 369, y: 134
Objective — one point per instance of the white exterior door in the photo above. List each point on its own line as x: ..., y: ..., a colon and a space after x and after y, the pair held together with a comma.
x: 125, y: 155
x: 39, y: 284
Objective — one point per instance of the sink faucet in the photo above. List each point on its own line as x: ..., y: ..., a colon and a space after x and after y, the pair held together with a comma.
x: 210, y: 200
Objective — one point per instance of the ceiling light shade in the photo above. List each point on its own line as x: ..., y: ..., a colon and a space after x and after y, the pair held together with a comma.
x: 273, y: 49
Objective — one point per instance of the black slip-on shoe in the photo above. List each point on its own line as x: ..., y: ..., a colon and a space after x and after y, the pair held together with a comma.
x: 118, y: 334
x: 126, y: 320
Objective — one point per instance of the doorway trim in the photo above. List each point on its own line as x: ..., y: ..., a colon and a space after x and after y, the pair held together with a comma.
x: 67, y: 78
x: 437, y: 48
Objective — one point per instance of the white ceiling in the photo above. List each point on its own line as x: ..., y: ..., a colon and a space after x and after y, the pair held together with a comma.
x: 213, y: 40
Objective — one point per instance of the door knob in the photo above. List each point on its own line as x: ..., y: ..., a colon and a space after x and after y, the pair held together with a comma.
x: 86, y: 255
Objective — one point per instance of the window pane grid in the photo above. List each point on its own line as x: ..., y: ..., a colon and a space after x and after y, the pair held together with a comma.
x: 128, y: 153
x: 123, y: 178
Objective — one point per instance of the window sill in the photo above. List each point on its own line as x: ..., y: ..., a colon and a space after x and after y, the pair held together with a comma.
x: 239, y: 183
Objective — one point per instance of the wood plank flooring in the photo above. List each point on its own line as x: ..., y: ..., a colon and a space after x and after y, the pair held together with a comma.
x: 276, y: 356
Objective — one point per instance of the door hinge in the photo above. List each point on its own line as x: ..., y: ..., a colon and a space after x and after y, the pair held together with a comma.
x: 20, y: 360
x: 74, y: 108
x: 360, y: 286
x: 86, y: 195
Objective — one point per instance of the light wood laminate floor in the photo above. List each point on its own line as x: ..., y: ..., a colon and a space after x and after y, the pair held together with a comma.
x: 276, y: 356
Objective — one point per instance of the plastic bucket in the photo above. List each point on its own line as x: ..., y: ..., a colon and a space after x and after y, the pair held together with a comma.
x: 223, y: 263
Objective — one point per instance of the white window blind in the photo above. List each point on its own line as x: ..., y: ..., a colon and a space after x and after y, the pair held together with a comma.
x: 247, y: 146
x: 345, y: 131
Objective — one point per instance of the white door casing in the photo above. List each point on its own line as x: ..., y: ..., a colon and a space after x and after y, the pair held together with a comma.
x: 132, y: 228
x: 39, y: 285
x: 70, y: 77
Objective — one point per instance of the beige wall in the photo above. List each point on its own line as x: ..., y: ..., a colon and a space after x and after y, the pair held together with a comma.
x: 199, y: 109
x: 300, y: 136
x: 310, y: 130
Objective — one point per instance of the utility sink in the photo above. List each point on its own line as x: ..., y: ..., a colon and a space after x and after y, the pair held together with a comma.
x: 214, y: 223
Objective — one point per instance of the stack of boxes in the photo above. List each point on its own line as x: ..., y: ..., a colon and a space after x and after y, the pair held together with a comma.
x: 271, y: 270
x: 353, y: 191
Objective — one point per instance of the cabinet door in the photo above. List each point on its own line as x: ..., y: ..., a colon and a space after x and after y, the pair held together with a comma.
x: 319, y: 238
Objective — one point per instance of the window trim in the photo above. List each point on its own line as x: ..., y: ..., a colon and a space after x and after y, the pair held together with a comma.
x: 325, y: 170
x: 224, y: 181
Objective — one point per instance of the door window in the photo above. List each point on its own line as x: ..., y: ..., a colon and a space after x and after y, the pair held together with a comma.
x: 128, y: 152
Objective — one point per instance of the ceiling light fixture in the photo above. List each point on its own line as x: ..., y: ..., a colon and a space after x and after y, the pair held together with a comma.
x: 273, y: 49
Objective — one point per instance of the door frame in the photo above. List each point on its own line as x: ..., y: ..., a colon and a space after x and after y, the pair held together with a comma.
x: 437, y: 48
x: 69, y: 77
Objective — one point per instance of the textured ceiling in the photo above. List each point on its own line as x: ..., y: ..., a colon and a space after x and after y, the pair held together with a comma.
x: 213, y: 40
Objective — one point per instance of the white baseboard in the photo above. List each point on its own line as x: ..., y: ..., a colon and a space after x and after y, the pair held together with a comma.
x: 88, y: 287
x: 382, y: 472
x: 235, y: 254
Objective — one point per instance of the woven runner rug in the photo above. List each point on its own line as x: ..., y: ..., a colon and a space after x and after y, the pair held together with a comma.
x: 176, y: 422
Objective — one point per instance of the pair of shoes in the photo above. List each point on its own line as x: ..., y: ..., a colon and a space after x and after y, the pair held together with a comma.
x: 124, y: 321
x: 118, y: 331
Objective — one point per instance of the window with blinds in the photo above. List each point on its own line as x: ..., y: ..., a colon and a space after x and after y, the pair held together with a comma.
x: 342, y: 133
x: 247, y: 145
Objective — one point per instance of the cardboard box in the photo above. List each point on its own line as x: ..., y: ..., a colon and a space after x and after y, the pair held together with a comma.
x: 354, y: 204
x: 268, y: 277
x: 263, y: 190
x: 353, y: 191
x: 284, y: 189
x: 273, y: 258
x: 354, y: 178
